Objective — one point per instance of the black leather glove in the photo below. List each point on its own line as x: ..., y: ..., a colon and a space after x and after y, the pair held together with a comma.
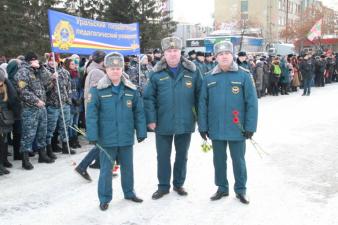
x: 92, y: 142
x: 247, y: 134
x: 139, y: 140
x: 204, y: 135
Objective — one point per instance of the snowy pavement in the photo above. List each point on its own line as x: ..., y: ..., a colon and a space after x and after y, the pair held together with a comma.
x: 296, y: 184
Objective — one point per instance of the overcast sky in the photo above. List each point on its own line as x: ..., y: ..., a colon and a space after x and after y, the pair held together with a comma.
x: 200, y: 11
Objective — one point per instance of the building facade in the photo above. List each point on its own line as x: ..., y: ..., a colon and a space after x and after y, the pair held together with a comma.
x: 271, y: 16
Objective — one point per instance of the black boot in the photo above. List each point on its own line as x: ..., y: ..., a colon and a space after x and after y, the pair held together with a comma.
x: 25, y: 161
x: 50, y: 153
x: 72, y: 143
x: 3, y: 170
x: 16, y: 146
x: 55, y: 146
x: 3, y: 156
x: 16, y: 140
x: 65, y: 149
x: 76, y: 142
x: 5, y: 161
x: 43, y: 157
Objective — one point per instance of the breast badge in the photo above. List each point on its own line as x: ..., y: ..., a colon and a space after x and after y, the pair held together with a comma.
x: 188, y: 84
x: 129, y: 103
x: 235, y: 90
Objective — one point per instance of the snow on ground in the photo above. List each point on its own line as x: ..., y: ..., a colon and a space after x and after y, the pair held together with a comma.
x: 297, y: 183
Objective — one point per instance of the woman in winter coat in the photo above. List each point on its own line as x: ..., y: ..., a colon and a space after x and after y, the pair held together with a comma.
x: 12, y: 68
x: 295, y: 83
x: 259, y: 73
x: 6, y: 123
x: 76, y: 96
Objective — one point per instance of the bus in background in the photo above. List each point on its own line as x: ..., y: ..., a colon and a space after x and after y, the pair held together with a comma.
x: 281, y: 49
x: 251, y: 45
x: 196, y: 44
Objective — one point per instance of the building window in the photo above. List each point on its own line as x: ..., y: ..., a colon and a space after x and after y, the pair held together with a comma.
x: 280, y: 4
x: 244, y: 6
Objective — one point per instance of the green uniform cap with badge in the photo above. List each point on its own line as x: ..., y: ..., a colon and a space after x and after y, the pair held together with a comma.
x: 171, y: 43
x: 114, y: 59
x: 223, y: 46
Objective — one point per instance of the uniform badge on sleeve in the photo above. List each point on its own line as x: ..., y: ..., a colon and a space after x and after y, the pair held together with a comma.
x: 235, y: 90
x: 129, y: 103
x: 22, y: 84
x: 188, y: 84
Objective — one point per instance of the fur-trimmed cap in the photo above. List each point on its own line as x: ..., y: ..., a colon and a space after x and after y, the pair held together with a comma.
x: 2, y: 74
x: 114, y: 59
x: 223, y: 46
x: 171, y: 43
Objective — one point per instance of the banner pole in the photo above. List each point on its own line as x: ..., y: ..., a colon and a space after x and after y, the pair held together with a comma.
x: 61, y: 105
x: 139, y: 70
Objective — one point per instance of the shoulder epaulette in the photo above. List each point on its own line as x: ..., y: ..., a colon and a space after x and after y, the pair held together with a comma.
x: 129, y: 84
x: 242, y: 68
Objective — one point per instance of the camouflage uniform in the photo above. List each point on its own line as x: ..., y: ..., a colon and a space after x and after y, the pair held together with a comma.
x: 133, y: 74
x: 31, y: 85
x: 54, y: 115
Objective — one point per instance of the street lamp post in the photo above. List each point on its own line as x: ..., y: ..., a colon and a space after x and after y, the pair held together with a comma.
x: 286, y: 21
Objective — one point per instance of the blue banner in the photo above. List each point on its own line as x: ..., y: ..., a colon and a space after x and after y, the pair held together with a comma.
x: 71, y: 34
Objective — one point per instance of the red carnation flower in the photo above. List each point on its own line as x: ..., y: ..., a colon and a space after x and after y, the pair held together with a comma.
x: 235, y: 113
x: 236, y: 120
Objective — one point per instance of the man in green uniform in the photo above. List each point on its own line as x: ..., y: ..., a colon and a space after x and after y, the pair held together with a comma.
x: 114, y: 111
x: 171, y: 101
x: 228, y: 112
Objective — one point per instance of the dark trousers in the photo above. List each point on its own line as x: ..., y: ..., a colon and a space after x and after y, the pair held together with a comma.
x: 16, y: 139
x: 92, y: 155
x: 237, y: 152
x: 125, y: 155
x: 307, y: 86
x: 163, y: 147
x: 3, y: 148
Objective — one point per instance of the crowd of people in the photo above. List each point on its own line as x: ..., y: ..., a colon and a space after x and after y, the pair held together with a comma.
x: 276, y: 75
x: 42, y: 101
x: 36, y: 124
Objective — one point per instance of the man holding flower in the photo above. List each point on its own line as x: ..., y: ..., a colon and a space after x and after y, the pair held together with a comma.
x: 228, y: 112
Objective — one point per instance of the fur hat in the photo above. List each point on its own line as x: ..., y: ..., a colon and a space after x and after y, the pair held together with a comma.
x: 31, y: 56
x: 114, y: 59
x: 157, y: 50
x: 223, y: 46
x: 208, y: 54
x: 242, y: 53
x: 98, y: 56
x: 171, y: 43
x: 192, y: 52
x: 200, y: 54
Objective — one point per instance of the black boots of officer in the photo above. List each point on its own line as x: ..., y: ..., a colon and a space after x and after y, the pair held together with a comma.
x: 3, y: 159
x: 25, y: 161
x: 74, y: 142
x: 55, y: 146
x: 50, y: 153
x: 65, y: 149
x: 43, y: 157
